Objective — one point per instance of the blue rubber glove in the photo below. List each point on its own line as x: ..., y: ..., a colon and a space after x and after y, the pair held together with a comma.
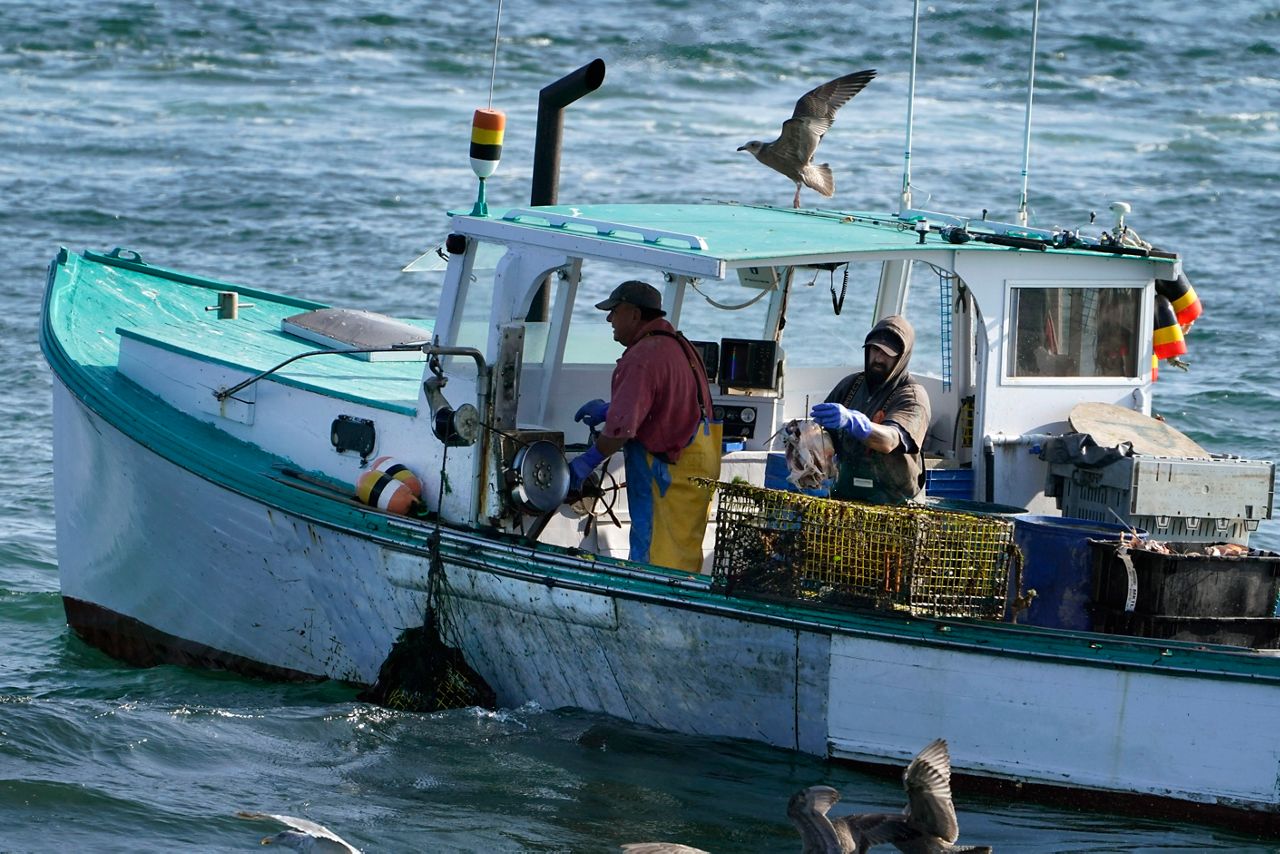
x: 833, y: 416
x: 593, y: 412
x: 583, y: 466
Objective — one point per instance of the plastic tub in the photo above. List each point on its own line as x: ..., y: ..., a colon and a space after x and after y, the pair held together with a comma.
x: 979, y: 508
x: 1058, y: 565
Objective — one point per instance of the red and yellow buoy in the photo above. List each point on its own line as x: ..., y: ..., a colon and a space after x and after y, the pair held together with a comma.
x: 379, y: 489
x: 1168, y: 340
x: 1182, y: 296
x: 487, y: 128
x: 392, y: 467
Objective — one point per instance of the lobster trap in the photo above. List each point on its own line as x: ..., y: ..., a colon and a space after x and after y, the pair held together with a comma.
x: 785, y: 545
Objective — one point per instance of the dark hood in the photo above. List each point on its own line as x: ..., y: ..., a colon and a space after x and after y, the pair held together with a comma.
x: 900, y: 328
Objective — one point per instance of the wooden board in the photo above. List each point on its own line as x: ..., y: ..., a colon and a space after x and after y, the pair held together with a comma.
x: 1109, y: 425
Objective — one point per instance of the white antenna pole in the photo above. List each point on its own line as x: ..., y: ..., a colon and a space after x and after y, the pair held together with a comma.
x: 493, y: 73
x: 1026, y: 141
x: 911, y: 109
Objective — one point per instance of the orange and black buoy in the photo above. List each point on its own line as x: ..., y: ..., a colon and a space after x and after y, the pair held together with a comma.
x: 1155, y: 367
x: 1180, y: 293
x: 487, y: 128
x: 1167, y: 341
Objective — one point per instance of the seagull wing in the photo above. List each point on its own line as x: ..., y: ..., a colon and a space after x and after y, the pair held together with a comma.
x: 823, y: 101
x: 797, y: 143
x: 319, y: 831
x: 660, y: 848
x: 807, y: 810
x: 928, y: 784
x: 871, y: 829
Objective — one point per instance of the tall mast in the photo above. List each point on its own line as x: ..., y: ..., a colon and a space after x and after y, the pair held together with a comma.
x: 911, y: 108
x: 1026, y: 140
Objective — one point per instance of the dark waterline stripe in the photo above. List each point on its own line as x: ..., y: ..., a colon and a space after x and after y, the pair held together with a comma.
x: 134, y: 642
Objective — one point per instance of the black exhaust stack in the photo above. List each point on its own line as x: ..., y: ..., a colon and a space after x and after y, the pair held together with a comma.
x: 546, y: 148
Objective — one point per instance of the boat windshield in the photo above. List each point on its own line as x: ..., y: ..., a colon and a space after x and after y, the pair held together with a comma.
x: 1074, y: 332
x: 737, y: 307
x: 709, y: 311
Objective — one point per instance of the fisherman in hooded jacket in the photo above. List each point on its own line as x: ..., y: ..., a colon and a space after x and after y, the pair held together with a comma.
x: 878, y: 418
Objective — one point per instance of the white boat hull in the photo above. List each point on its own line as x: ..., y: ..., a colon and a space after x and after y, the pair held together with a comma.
x: 159, y: 564
x: 208, y: 575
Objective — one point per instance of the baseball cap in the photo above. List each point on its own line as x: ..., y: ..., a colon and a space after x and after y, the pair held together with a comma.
x: 884, y: 341
x: 637, y: 293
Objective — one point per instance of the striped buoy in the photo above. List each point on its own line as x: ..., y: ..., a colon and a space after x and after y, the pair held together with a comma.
x: 378, y: 489
x: 392, y: 467
x: 486, y: 141
x: 1186, y: 305
x: 1167, y: 341
x: 1155, y: 367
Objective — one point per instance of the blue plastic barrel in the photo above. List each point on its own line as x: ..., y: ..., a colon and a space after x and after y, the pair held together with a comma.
x: 1058, y: 566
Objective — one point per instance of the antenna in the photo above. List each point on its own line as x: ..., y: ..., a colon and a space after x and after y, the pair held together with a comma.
x: 487, y: 129
x: 911, y: 108
x: 493, y: 72
x: 1026, y: 141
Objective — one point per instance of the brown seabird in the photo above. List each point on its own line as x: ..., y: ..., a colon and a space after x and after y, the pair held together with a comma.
x: 927, y: 825
x: 792, y: 152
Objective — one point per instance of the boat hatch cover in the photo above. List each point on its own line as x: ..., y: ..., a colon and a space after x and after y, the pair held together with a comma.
x: 343, y: 328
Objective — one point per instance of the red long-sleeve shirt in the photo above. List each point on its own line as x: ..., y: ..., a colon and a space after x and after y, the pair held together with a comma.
x: 655, y: 392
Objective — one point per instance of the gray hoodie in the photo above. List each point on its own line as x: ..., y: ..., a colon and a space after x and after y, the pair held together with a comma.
x: 899, y: 401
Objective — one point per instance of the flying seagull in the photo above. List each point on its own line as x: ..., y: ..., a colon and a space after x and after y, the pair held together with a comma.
x: 792, y: 152
x: 303, y: 835
x: 926, y: 826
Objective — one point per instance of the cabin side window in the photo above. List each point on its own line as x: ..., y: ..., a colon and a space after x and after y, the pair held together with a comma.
x: 477, y: 296
x: 1074, y: 332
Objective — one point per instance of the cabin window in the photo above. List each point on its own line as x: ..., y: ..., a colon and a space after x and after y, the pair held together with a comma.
x: 473, y: 326
x: 1074, y: 332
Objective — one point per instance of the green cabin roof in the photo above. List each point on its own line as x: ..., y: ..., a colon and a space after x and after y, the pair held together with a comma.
x: 720, y: 236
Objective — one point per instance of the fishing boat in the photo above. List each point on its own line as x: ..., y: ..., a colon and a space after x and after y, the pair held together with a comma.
x: 285, y: 489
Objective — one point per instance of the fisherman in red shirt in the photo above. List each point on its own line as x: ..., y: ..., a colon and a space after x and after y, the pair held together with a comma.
x: 660, y: 417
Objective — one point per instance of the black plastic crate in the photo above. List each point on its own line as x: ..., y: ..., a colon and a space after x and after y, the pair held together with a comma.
x: 1186, y: 585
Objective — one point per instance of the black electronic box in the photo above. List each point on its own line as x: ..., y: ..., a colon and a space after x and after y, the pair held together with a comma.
x: 748, y: 363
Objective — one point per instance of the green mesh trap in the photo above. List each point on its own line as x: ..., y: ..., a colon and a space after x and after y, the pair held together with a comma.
x: 786, y: 545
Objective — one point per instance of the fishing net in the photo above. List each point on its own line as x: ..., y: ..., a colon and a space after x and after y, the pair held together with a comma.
x: 422, y: 673
x: 787, y: 545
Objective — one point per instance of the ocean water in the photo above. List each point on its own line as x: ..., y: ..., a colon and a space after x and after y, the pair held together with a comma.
x: 313, y: 148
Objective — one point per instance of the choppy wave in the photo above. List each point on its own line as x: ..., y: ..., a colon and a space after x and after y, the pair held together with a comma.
x: 313, y: 148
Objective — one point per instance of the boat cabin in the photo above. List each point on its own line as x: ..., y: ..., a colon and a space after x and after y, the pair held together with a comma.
x: 778, y: 302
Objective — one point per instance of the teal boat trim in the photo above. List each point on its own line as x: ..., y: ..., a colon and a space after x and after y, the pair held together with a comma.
x: 115, y: 259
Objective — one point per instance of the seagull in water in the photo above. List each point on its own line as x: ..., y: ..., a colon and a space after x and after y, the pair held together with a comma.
x: 927, y: 826
x: 303, y: 835
x: 792, y: 152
